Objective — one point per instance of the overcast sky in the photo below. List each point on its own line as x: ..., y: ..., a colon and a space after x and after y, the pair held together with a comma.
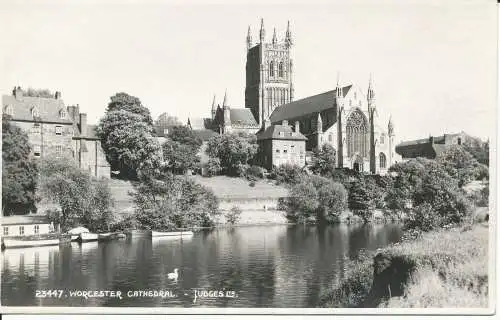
x: 434, y: 64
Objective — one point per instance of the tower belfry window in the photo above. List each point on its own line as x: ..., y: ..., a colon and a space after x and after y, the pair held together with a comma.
x: 280, y: 70
x: 271, y: 69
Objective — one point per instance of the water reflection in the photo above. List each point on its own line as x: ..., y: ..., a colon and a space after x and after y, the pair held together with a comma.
x: 268, y: 266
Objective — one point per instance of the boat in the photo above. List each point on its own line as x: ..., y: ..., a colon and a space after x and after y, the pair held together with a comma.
x: 19, y: 243
x: 156, y: 234
x: 87, y: 237
x: 111, y: 236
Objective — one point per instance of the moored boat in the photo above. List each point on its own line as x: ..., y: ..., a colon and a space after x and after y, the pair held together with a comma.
x: 20, y: 243
x: 87, y: 237
x: 111, y: 236
x: 156, y: 234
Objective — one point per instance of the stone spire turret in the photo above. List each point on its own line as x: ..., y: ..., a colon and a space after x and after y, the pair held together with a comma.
x: 275, y: 38
x: 288, y: 36
x: 262, y: 33
x: 249, y: 39
x: 390, y: 127
x: 214, y: 108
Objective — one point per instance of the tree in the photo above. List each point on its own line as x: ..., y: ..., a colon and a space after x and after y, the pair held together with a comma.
x: 233, y: 151
x: 316, y: 198
x: 165, y: 120
x: 167, y: 202
x: 324, y: 160
x: 126, y: 133
x: 459, y: 164
x: 359, y: 200
x: 124, y: 102
x: 180, y: 152
x: 479, y: 150
x: 288, y: 174
x: 82, y: 199
x: 19, y: 171
x: 186, y: 136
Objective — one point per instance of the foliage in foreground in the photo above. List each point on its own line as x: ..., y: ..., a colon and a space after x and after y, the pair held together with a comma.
x: 82, y: 199
x: 19, y: 171
x: 167, y: 202
x: 451, y: 271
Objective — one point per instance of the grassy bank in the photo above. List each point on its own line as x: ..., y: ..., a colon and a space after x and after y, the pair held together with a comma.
x: 447, y: 268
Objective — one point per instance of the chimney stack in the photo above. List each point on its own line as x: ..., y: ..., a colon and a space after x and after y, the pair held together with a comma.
x: 83, y: 124
x: 267, y: 124
x: 58, y: 95
x: 297, y: 126
x: 431, y: 139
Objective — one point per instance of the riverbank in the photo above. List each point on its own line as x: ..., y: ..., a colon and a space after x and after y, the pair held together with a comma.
x: 446, y: 268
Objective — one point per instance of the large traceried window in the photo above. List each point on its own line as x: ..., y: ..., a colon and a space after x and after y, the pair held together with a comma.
x: 382, y: 160
x: 280, y: 70
x: 357, y: 134
x: 271, y: 69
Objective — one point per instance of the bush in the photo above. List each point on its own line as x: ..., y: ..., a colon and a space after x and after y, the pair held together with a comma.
x: 168, y: 202
x: 316, y: 199
x: 253, y: 173
x: 424, y: 218
x: 233, y: 215
x: 213, y: 167
x: 360, y: 201
x: 287, y: 174
x: 233, y: 151
x: 324, y: 161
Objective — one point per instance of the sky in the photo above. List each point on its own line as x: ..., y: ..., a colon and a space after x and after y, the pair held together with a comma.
x: 434, y: 63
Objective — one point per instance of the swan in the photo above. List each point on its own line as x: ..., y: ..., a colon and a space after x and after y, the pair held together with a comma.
x: 173, y: 275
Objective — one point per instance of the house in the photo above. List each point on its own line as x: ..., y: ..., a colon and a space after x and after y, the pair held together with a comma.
x: 26, y: 225
x: 279, y: 144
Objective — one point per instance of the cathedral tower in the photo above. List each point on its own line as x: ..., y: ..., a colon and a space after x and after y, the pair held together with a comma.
x: 269, y: 72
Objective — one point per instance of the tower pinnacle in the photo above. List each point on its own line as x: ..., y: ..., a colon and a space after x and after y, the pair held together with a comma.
x: 224, y: 102
x: 288, y: 35
x: 249, y: 38
x: 275, y: 39
x: 262, y: 32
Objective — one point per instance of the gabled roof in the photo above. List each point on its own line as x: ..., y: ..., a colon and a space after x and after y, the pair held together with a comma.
x: 242, y: 117
x: 25, y: 219
x: 280, y: 132
x: 48, y: 108
x: 312, y: 104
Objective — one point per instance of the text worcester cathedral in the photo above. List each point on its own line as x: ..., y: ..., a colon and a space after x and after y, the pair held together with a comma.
x: 345, y: 117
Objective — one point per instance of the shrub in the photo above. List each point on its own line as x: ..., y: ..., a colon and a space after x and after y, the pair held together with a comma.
x: 253, y: 173
x: 360, y: 201
x: 233, y: 215
x: 169, y: 202
x: 287, y: 174
x: 233, y: 152
x: 316, y: 199
x: 424, y: 218
x: 324, y: 161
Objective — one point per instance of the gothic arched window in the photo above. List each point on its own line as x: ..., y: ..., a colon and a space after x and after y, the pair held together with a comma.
x: 9, y: 110
x: 35, y: 112
x: 271, y: 69
x: 382, y: 160
x: 62, y: 114
x: 280, y: 70
x: 357, y: 134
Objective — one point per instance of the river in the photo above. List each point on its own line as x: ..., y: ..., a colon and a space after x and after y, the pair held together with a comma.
x: 256, y: 266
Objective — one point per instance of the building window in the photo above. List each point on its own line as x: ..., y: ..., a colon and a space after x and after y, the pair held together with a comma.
x: 62, y: 114
x: 271, y: 69
x: 350, y: 102
x: 357, y: 134
x: 285, y: 151
x: 37, y: 150
x: 459, y: 141
x: 5, y: 231
x: 330, y: 137
x: 59, y: 150
x: 277, y: 150
x: 382, y: 139
x: 58, y: 130
x: 354, y: 95
x: 9, y: 110
x: 382, y: 160
x: 280, y: 70
x: 281, y: 134
x: 36, y: 229
x: 35, y: 112
x: 165, y: 131
x: 21, y: 230
x: 36, y: 128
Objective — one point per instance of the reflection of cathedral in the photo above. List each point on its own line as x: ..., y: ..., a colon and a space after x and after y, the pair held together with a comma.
x: 345, y: 117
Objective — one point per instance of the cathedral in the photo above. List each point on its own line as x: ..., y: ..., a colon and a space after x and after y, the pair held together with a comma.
x: 345, y: 118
